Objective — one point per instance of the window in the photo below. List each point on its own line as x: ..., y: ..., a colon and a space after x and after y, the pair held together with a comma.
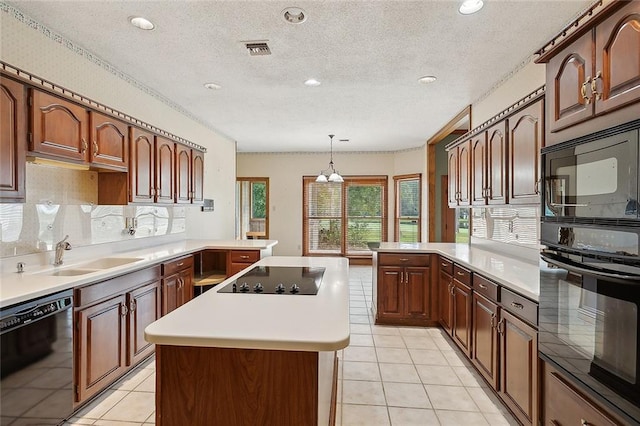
x: 340, y: 219
x: 407, y: 223
x: 252, y: 208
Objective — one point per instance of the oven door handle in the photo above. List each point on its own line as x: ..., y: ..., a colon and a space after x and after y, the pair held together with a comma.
x: 620, y: 278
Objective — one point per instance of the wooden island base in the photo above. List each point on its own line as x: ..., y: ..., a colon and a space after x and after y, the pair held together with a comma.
x: 201, y: 386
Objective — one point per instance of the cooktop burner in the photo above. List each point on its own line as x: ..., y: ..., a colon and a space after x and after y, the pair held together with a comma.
x: 294, y: 280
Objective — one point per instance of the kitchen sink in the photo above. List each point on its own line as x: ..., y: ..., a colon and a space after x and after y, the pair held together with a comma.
x: 71, y: 272
x: 110, y: 262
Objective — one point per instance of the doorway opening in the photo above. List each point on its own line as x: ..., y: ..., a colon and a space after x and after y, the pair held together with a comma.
x: 443, y: 220
x: 252, y: 208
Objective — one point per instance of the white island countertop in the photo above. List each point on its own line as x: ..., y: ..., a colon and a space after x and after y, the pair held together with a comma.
x: 265, y: 321
x: 512, y: 273
x: 38, y: 280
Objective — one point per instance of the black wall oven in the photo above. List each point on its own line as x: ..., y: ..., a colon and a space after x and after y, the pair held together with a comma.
x: 590, y: 233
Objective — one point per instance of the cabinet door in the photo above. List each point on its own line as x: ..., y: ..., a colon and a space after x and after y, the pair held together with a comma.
x: 58, y: 127
x: 485, y: 338
x: 390, y: 292
x: 13, y: 139
x: 568, y: 88
x: 183, y: 174
x: 479, y: 170
x: 618, y: 59
x: 519, y: 367
x: 144, y: 308
x: 497, y: 164
x: 101, y: 344
x: 186, y: 286
x: 418, y: 293
x: 165, y: 168
x: 525, y: 140
x: 461, y: 330
x: 452, y: 161
x: 171, y: 293
x: 109, y: 141
x: 197, y: 178
x: 464, y: 174
x: 445, y: 308
x: 142, y: 165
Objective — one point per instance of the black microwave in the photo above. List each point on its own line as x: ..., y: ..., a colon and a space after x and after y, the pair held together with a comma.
x: 593, y: 178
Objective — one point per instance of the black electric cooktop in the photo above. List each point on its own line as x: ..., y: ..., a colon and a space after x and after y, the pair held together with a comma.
x: 291, y: 280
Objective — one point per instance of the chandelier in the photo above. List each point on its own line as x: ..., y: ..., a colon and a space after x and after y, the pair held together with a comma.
x: 330, y: 174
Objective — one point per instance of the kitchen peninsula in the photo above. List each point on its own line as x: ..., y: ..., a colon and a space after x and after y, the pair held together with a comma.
x: 252, y: 358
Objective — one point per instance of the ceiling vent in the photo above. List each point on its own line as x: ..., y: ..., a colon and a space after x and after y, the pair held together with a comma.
x: 259, y: 48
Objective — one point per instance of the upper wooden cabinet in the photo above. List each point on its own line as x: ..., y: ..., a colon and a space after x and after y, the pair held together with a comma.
x: 183, y: 174
x: 142, y: 166
x: 526, y: 137
x: 13, y: 139
x: 58, y: 127
x: 595, y: 74
x: 109, y: 141
x: 165, y: 170
x: 197, y: 179
x: 497, y: 173
x: 479, y: 169
x: 460, y: 175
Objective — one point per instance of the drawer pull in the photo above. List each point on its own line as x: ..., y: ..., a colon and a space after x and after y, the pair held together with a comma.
x: 181, y: 263
x: 517, y: 305
x: 444, y: 265
x: 404, y: 259
x: 482, y: 286
x: 462, y: 274
x: 244, y: 257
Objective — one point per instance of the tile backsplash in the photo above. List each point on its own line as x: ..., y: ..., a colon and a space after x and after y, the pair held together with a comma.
x: 63, y: 202
x: 517, y: 226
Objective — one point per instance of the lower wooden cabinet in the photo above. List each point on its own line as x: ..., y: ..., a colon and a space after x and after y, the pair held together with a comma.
x: 110, y: 319
x: 454, y: 299
x: 519, y: 367
x: 445, y: 311
x: 484, y: 354
x: 404, y: 290
x: 241, y: 259
x: 177, y: 283
x: 461, y: 327
x: 563, y: 405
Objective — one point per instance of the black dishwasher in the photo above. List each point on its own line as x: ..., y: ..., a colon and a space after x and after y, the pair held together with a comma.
x: 36, y: 360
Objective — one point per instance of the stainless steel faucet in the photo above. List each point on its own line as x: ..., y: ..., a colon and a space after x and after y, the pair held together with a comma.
x: 61, y: 246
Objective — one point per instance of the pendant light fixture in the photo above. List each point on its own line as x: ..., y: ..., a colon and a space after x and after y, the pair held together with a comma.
x: 330, y: 174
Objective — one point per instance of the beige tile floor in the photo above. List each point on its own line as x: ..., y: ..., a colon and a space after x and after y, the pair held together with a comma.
x: 388, y: 376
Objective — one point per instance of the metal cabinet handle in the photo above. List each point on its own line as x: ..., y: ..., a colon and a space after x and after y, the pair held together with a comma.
x: 594, y: 87
x: 536, y: 187
x: 482, y: 286
x: 462, y: 274
x: 95, y: 148
x: 444, y: 265
x: 517, y: 305
x: 500, y: 326
x: 181, y: 263
x: 583, y: 91
x: 493, y: 320
x: 85, y: 146
x: 452, y: 290
x: 132, y: 306
x: 124, y: 310
x: 244, y: 257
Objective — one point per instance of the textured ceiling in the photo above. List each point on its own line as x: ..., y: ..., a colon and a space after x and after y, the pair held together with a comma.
x: 367, y: 54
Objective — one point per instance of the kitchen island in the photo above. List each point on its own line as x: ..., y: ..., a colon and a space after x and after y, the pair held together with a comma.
x: 252, y: 358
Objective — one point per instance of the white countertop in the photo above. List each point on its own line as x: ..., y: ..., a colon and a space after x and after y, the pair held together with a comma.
x: 265, y: 321
x: 37, y: 281
x: 512, y: 273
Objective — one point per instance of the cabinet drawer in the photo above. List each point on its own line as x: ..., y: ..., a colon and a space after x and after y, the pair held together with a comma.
x: 564, y: 406
x: 485, y: 287
x: 461, y: 274
x: 446, y: 265
x: 245, y: 256
x: 170, y: 268
x: 388, y: 259
x: 519, y: 306
x: 98, y: 291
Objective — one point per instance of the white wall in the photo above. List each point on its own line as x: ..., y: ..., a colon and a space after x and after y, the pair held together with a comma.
x: 38, y: 53
x: 520, y: 84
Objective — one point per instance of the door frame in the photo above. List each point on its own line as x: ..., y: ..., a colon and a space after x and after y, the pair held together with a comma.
x: 252, y: 180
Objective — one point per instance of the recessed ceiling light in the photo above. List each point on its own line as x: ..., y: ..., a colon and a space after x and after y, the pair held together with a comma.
x: 212, y: 86
x: 294, y: 15
x: 142, y: 23
x: 427, y: 79
x: 470, y: 6
x: 312, y: 82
